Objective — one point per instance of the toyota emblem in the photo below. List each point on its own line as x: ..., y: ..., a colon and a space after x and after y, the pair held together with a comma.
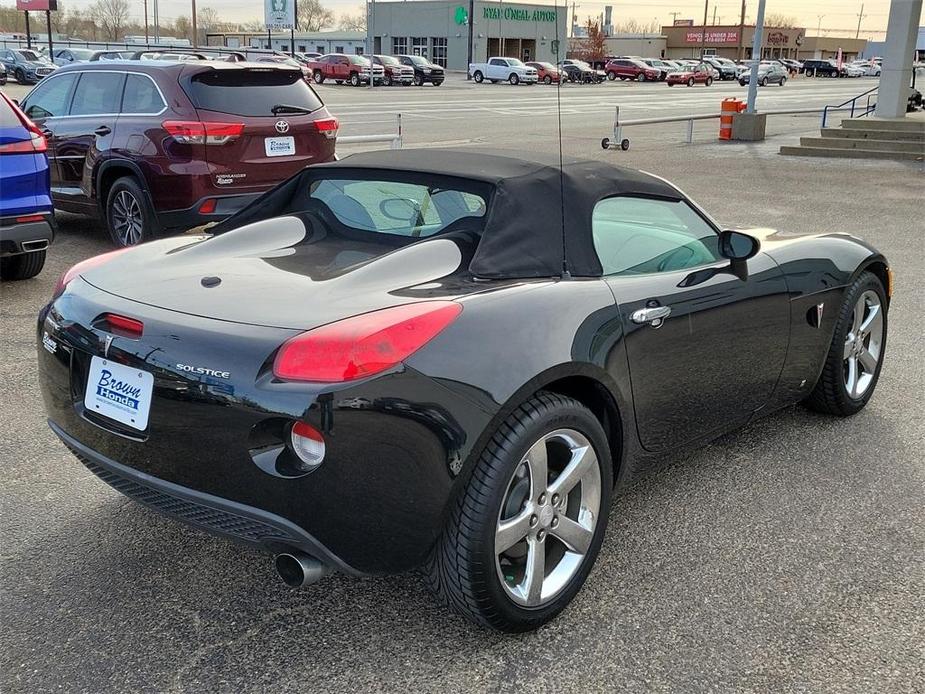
x: 282, y: 126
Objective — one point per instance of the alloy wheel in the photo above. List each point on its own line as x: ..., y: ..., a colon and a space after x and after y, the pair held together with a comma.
x: 863, y: 345
x: 127, y: 220
x: 548, y: 517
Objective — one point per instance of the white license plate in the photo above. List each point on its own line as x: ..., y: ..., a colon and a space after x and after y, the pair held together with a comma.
x: 119, y: 392
x: 279, y: 146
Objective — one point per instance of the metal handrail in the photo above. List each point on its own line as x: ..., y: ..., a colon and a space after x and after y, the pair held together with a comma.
x: 394, y: 139
x: 619, y: 142
x: 852, y: 101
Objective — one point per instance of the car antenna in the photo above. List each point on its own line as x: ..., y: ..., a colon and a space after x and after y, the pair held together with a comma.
x: 565, y: 271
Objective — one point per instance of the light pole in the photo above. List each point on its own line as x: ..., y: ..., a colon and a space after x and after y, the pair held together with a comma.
x: 756, y: 58
x: 819, y: 25
x: 195, y: 32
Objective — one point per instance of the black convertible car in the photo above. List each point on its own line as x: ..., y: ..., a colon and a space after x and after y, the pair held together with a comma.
x: 401, y: 360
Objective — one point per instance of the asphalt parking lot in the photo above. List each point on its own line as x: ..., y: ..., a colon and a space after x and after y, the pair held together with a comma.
x: 789, y: 556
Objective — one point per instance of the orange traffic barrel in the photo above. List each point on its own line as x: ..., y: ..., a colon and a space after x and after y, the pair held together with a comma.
x: 729, y: 106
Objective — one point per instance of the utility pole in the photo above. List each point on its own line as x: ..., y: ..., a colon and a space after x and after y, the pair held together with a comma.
x: 819, y: 25
x: 674, y: 17
x: 741, y: 51
x: 861, y: 16
x: 714, y: 15
x: 146, y: 23
x: 756, y: 58
x: 370, y: 20
x: 469, y: 21
x: 28, y: 32
x: 703, y: 29
x: 571, y: 31
x: 195, y: 31
x: 51, y: 47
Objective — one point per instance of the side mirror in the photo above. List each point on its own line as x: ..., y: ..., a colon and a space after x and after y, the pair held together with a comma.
x: 738, y: 246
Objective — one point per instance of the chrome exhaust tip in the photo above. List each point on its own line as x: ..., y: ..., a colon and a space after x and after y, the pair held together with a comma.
x: 38, y: 245
x: 298, y: 569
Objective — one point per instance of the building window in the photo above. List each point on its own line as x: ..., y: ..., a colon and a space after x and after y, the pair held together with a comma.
x: 320, y: 49
x: 358, y: 50
x: 400, y: 45
x: 338, y: 49
x: 419, y: 45
x: 301, y: 49
x: 439, y: 50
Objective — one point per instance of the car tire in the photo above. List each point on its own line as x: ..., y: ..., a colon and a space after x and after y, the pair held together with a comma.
x: 419, y: 80
x: 477, y: 76
x: 20, y: 76
x: 513, y: 79
x: 318, y: 77
x: 783, y: 81
x: 129, y: 218
x: 640, y: 77
x: 862, y: 315
x: 763, y: 82
x: 547, y: 80
x: 355, y: 79
x: 338, y: 81
x: 690, y: 82
x: 387, y: 81
x: 464, y: 570
x: 611, y: 76
x: 437, y: 83
x: 670, y: 84
x: 708, y: 81
x: 23, y: 266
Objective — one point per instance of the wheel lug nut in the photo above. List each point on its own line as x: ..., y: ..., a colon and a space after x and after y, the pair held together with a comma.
x: 555, y: 521
x: 533, y: 521
x: 542, y: 499
x: 555, y: 499
x: 541, y: 535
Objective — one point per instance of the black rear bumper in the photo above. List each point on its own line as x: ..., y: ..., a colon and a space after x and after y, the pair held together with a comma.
x: 204, y: 511
x: 25, y: 237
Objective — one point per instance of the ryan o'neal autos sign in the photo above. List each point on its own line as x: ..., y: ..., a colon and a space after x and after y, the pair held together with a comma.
x: 516, y: 14
x: 279, y: 14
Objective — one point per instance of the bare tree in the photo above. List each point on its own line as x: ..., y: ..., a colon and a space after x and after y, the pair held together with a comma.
x: 353, y: 22
x: 633, y: 26
x: 776, y: 19
x: 313, y: 16
x: 593, y: 46
x: 111, y: 16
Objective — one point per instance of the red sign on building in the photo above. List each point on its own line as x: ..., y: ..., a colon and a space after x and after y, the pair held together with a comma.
x: 713, y: 37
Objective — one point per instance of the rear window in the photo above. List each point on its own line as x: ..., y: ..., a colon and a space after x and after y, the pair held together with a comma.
x: 251, y: 92
x: 396, y: 207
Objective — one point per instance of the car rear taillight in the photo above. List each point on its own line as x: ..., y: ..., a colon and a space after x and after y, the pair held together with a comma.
x: 208, y: 207
x: 26, y: 218
x: 363, y: 345
x: 327, y: 127
x: 83, y: 266
x: 123, y: 325
x: 36, y: 141
x: 203, y: 132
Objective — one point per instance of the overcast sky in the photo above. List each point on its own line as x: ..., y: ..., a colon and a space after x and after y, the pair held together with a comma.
x: 838, y: 14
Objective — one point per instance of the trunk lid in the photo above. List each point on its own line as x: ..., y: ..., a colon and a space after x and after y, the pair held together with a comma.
x: 271, y: 146
x: 273, y: 274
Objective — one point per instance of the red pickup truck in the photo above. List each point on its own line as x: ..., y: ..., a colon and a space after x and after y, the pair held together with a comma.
x: 341, y: 68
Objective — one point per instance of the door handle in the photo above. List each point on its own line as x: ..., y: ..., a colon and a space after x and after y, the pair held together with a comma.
x: 655, y: 315
x: 46, y: 132
x: 103, y: 130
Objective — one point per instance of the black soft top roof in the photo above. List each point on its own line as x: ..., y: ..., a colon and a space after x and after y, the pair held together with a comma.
x: 522, y: 235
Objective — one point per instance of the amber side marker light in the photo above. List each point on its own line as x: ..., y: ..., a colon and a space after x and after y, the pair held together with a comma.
x: 889, y: 283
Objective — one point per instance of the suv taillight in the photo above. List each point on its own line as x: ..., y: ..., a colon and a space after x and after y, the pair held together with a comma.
x: 36, y: 141
x: 327, y: 127
x: 203, y: 132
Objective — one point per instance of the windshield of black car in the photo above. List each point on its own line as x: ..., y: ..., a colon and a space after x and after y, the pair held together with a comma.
x: 30, y: 56
x: 397, y: 208
x: 251, y: 92
x: 388, y: 60
x: 418, y: 60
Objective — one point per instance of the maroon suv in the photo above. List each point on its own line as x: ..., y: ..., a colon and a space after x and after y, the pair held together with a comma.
x: 630, y: 69
x: 155, y: 146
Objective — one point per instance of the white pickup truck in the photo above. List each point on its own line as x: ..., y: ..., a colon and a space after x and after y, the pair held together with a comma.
x: 503, y: 69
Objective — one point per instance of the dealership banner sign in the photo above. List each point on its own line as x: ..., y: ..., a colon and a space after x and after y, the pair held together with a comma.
x: 36, y: 5
x: 516, y: 14
x: 279, y: 14
x: 713, y: 37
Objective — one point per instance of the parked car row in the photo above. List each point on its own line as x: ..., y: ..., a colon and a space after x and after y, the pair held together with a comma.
x: 385, y: 70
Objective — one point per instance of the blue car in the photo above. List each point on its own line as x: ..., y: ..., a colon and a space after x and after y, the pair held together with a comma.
x: 27, y: 221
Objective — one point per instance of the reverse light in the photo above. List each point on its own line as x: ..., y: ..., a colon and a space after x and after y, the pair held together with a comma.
x: 83, y: 266
x: 203, y: 132
x: 308, y: 445
x: 327, y: 127
x: 363, y: 345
